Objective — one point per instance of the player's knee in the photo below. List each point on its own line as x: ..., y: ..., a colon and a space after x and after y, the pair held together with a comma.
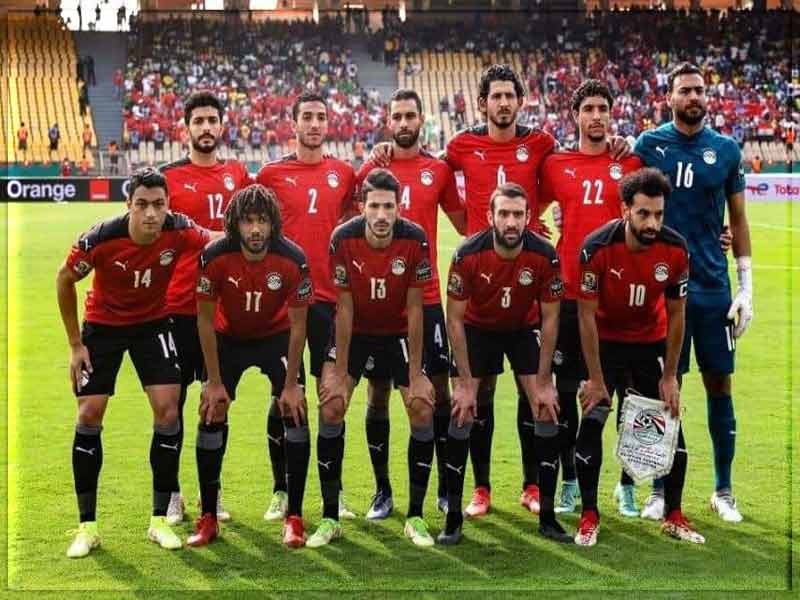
x: 90, y: 414
x: 717, y: 384
x: 422, y: 432
x: 420, y: 414
x: 166, y: 415
x: 332, y: 411
x: 328, y: 429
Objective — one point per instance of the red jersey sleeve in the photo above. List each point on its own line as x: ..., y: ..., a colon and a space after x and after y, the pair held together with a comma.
x: 301, y: 290
x: 207, y: 283
x: 449, y: 199
x: 546, y: 187
x: 195, y: 237
x: 80, y: 262
x: 552, y: 284
x: 453, y: 154
x: 459, y: 286
x: 338, y: 266
x: 592, y: 271
x: 421, y: 264
x: 678, y: 285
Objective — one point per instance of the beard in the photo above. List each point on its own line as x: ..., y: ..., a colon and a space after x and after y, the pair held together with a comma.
x: 204, y: 149
x: 255, y: 246
x: 640, y: 237
x: 408, y: 140
x: 512, y: 119
x: 303, y: 141
x: 683, y: 115
x: 503, y: 242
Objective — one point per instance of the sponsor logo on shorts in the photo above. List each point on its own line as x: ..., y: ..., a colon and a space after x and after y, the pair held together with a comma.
x: 661, y: 272
x: 274, y: 281
x: 649, y: 426
x: 398, y: 266
x: 557, y: 287
x: 525, y: 277
x: 455, y: 285
x: 166, y: 257
x: 588, y: 282
x: 370, y: 364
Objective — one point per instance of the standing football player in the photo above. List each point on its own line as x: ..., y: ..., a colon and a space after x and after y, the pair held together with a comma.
x: 315, y: 193
x: 201, y: 186
x: 426, y: 183
x: 706, y: 174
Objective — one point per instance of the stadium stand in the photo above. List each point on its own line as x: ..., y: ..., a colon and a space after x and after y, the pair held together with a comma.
x: 40, y: 88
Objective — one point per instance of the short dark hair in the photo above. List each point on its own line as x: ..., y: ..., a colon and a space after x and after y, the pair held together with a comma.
x: 684, y: 68
x: 499, y: 73
x: 589, y: 88
x: 147, y: 177
x: 406, y: 94
x: 509, y: 190
x: 379, y: 179
x: 255, y: 199
x: 199, y: 100
x: 306, y: 97
x: 648, y: 181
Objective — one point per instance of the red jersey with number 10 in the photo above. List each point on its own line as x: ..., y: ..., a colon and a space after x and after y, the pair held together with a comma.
x: 202, y: 194
x: 425, y: 184
x: 130, y: 279
x: 630, y: 286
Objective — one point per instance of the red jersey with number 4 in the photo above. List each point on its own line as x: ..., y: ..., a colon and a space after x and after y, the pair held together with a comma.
x: 130, y: 280
x: 253, y: 296
x: 586, y: 188
x: 313, y: 199
x: 425, y: 184
x: 379, y: 278
x: 203, y: 194
x: 501, y: 291
x: 630, y: 286
x: 487, y: 164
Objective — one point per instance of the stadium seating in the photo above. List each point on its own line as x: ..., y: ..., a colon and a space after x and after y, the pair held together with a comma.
x: 41, y: 88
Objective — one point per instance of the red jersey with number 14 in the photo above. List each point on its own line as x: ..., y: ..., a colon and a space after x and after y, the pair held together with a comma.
x: 487, y: 164
x: 425, y: 184
x: 130, y: 279
x: 379, y: 278
x: 313, y: 199
x: 202, y: 194
x: 501, y: 291
x: 630, y: 286
x: 586, y: 188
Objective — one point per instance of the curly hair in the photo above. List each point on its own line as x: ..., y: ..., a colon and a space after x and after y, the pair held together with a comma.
x: 255, y: 199
x: 499, y: 73
x: 648, y: 181
x: 587, y: 89
x: 147, y: 177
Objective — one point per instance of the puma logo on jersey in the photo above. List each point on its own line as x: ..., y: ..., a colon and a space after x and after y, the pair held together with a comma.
x: 456, y: 469
x: 90, y: 451
x: 570, y: 172
x: 235, y: 281
x: 488, y: 277
x: 585, y: 460
x: 376, y: 447
x: 552, y: 465
x: 292, y: 180
x: 192, y: 187
x: 327, y: 465
x: 662, y: 151
x: 480, y: 154
x: 617, y: 273
x: 275, y: 440
x: 358, y: 266
x: 121, y: 265
x: 169, y: 447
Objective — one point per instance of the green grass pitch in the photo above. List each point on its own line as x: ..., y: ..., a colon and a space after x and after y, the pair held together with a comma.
x: 501, y: 552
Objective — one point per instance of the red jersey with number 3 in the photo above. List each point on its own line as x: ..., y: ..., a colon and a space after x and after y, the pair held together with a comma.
x: 202, y: 194
x: 630, y: 286
x: 586, y: 188
x: 426, y: 183
x: 487, y: 164
x: 379, y: 278
x: 501, y: 291
x: 313, y: 199
x: 130, y: 280
x: 253, y: 296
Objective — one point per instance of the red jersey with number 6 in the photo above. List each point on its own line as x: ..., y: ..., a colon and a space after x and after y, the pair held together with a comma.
x: 253, y: 296
x: 630, y: 286
x: 379, y: 278
x: 130, y: 279
x: 501, y: 291
x: 202, y: 194
x: 426, y: 183
x: 313, y: 198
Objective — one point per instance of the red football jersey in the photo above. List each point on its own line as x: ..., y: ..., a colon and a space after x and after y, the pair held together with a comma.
x: 630, y: 286
x: 487, y: 164
x: 425, y: 183
x: 501, y: 292
x: 586, y: 188
x: 379, y: 279
x: 201, y: 193
x: 253, y: 297
x: 313, y: 199
x: 130, y: 280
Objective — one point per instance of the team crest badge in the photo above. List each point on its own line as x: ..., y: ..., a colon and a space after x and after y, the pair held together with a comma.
x: 304, y: 289
x: 661, y: 272
x: 556, y: 286
x: 615, y: 171
x: 649, y: 426
x: 166, y: 257
x: 398, y: 266
x: 426, y: 177
x: 455, y: 285
x: 340, y: 276
x: 589, y: 282
x: 333, y: 179
x: 228, y: 182
x: 522, y: 154
x: 525, y: 277
x: 274, y: 282
x: 204, y: 285
x: 709, y: 156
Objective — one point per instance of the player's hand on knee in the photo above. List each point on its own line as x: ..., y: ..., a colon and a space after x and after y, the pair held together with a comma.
x: 464, y: 400
x: 333, y: 386
x: 670, y: 393
x: 545, y: 401
x: 78, y: 363
x: 592, y: 393
x: 214, y: 400
x: 421, y: 388
x: 292, y: 403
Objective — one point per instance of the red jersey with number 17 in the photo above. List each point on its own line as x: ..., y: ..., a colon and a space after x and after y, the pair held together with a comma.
x: 202, y: 194
x: 313, y: 199
x: 586, y: 188
x: 487, y: 164
x: 425, y: 184
x: 379, y: 278
x: 130, y: 279
x: 629, y: 286
x: 502, y: 291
